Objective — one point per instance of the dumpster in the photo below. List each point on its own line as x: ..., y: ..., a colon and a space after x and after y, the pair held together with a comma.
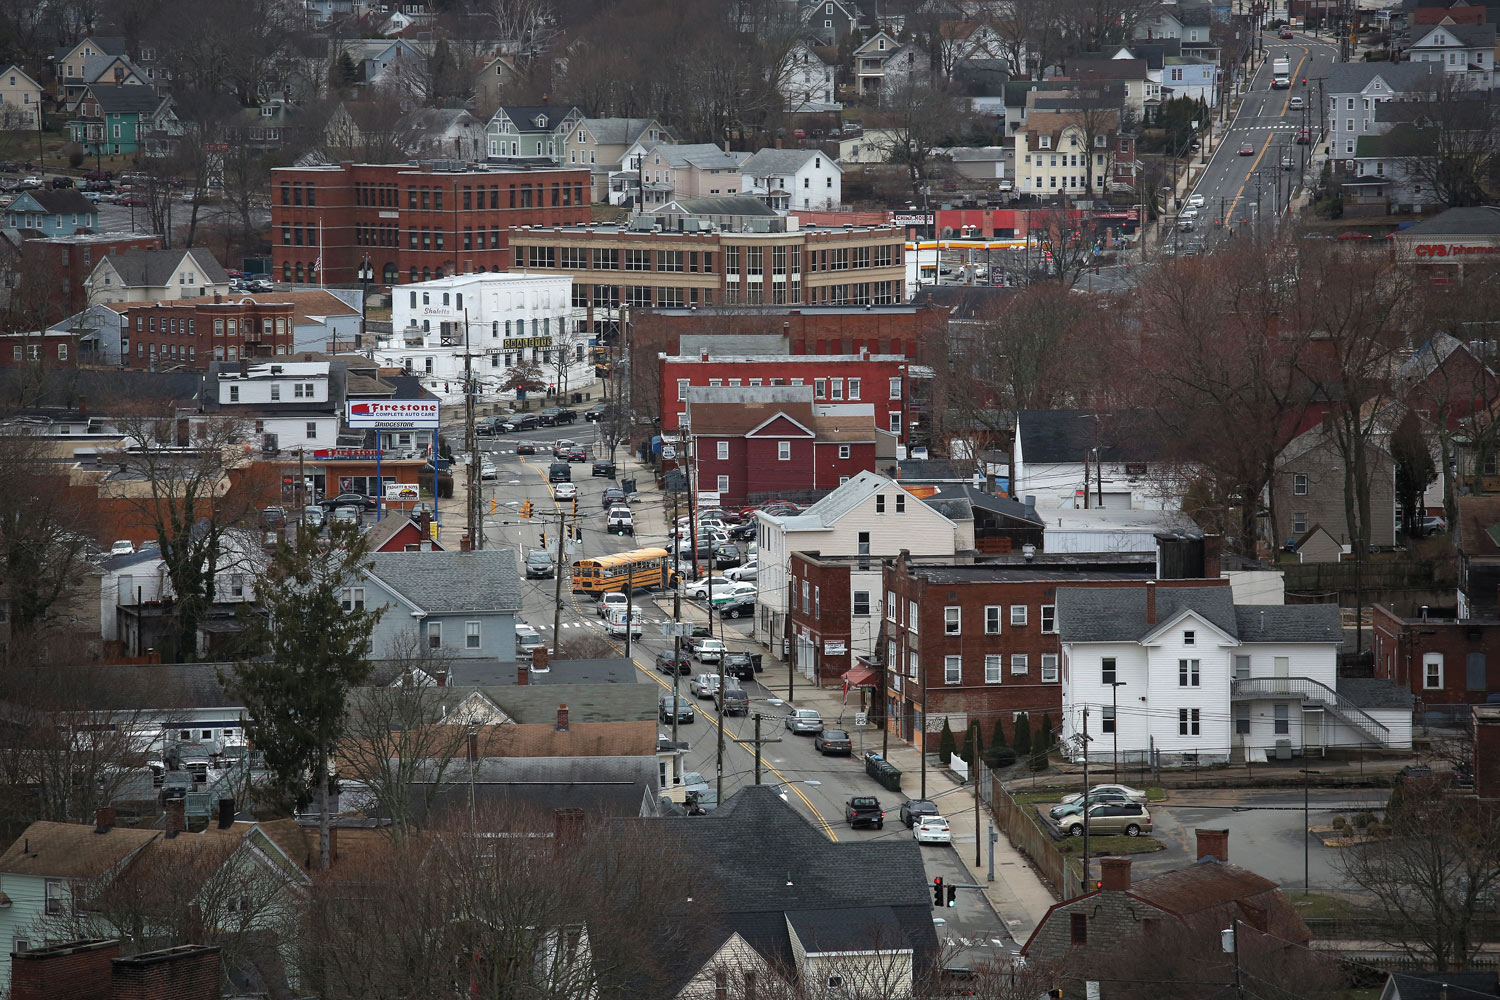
x: 883, y: 771
x: 755, y: 662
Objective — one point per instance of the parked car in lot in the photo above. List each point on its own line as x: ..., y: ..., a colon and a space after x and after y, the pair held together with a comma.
x: 726, y: 556
x: 1130, y: 818
x: 1125, y: 791
x: 666, y: 663
x: 804, y: 720
x: 349, y: 500
x: 698, y: 589
x: 932, y: 830
x: 738, y: 607
x: 833, y: 741
x: 1076, y: 807
x: 345, y: 515
x: 123, y: 547
x: 744, y: 571
x: 733, y: 592
x: 274, y: 517
x: 314, y: 516
x: 685, y: 711
x: 914, y: 809
x: 864, y: 810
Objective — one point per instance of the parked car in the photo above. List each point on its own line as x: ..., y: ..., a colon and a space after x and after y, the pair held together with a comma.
x: 1076, y: 807
x: 1196, y: 201
x: 738, y: 607
x: 932, y: 830
x: 539, y: 565
x: 314, y: 516
x: 1432, y: 524
x: 726, y: 556
x: 487, y: 469
x: 345, y: 515
x: 349, y: 500
x: 665, y: 662
x: 804, y: 720
x: 522, y: 422
x: 833, y: 741
x: 274, y: 517
x: 733, y: 592
x: 685, y: 712
x: 489, y: 426
x: 914, y: 809
x: 744, y: 532
x: 740, y: 666
x: 123, y: 547
x: 608, y: 602
x: 527, y: 639
x: 698, y: 589
x: 613, y: 495
x: 732, y: 700
x: 1133, y: 794
x: 604, y: 467
x: 704, y: 685
x: 744, y: 571
x: 709, y: 651
x: 1130, y: 818
x: 864, y: 810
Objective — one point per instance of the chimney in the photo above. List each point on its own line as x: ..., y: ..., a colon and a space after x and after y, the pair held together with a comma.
x: 441, y: 676
x: 702, y: 354
x: 1115, y: 874
x: 539, y: 659
x: 562, y: 718
x: 79, y: 970
x: 567, y: 827
x: 104, y: 818
x: 186, y: 972
x: 1213, y: 844
x: 1150, y: 602
x: 83, y: 407
x: 176, y: 817
x: 1212, y: 547
x: 523, y: 675
x: 226, y: 813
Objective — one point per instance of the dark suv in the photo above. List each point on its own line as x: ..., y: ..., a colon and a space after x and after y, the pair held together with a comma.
x: 522, y: 422
x: 604, y: 467
x: 548, y: 417
x: 565, y: 415
x: 664, y: 663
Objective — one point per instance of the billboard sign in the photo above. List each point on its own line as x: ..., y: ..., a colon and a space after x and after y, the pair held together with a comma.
x: 415, y: 413
x: 402, y: 492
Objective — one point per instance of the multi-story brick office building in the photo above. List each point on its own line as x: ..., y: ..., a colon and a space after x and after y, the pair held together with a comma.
x: 412, y: 223
x: 192, y: 333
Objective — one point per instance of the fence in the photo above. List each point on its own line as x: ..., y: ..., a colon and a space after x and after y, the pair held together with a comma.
x: 1019, y: 823
x: 1405, y: 574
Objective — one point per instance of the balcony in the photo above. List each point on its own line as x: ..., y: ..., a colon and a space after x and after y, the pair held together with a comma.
x: 1315, y: 694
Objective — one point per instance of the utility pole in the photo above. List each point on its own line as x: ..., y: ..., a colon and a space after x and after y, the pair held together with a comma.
x: 1086, y: 798
x: 757, y: 742
x: 719, y: 784
x: 974, y: 753
x: 471, y: 445
x: 557, y: 588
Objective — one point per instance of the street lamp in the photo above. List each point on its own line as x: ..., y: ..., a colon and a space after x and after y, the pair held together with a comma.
x: 781, y: 786
x: 1306, y: 825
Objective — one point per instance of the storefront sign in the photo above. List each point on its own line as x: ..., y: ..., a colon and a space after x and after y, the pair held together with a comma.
x: 901, y: 219
x: 393, y: 413
x: 401, y: 492
x: 1454, y: 249
x: 344, y: 455
x: 835, y: 647
x: 514, y: 342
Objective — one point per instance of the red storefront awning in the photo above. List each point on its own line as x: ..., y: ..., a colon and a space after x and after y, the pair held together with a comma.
x: 859, y: 677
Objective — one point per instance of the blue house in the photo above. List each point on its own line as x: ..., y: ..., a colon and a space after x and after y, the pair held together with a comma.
x: 53, y: 213
x: 462, y: 604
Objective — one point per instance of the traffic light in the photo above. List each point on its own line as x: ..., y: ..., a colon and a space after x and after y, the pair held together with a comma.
x: 953, y: 895
x: 575, y: 506
x: 577, y: 533
x: 526, y: 508
x: 543, y: 537
x: 937, y: 892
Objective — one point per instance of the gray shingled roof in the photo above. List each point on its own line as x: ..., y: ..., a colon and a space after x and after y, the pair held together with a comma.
x: 1351, y: 78
x: 615, y: 131
x: 67, y: 201
x: 1468, y: 35
x: 780, y: 161
x: 701, y: 154
x: 1064, y: 436
x: 155, y: 267
x: 1483, y: 219
x: 94, y: 67
x: 452, y: 582
x: 130, y: 99
x: 845, y: 929
x: 745, y: 206
x: 847, y: 497
x: 104, y: 43
x: 1118, y: 614
x: 1376, y: 692
x: 524, y: 118
x: 1288, y: 623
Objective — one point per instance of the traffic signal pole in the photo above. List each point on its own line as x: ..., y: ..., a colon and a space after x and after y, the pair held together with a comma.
x: 557, y: 588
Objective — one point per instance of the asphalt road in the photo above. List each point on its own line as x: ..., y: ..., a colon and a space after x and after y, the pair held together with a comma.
x: 972, y: 926
x: 1241, y: 188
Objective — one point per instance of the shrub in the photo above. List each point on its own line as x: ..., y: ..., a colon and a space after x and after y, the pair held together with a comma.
x: 999, y: 756
x: 973, y: 744
x: 997, y: 735
x: 945, y: 745
x: 1339, y: 822
x: 1048, y: 734
x: 1362, y: 820
x: 1022, y: 727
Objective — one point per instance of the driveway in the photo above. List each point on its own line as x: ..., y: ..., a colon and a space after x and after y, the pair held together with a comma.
x: 1266, y: 830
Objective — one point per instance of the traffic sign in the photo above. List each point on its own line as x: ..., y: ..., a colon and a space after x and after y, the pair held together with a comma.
x: 861, y: 718
x: 677, y: 630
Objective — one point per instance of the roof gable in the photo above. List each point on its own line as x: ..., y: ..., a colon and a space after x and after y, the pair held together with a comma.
x: 779, y: 425
x: 1183, y: 616
x: 18, y: 71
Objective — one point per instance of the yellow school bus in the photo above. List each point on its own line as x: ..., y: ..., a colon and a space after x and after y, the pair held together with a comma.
x: 639, y: 569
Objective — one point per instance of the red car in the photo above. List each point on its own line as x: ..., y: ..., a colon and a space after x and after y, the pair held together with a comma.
x: 1286, y: 32
x: 1246, y: 149
x: 1303, y: 138
x: 133, y: 200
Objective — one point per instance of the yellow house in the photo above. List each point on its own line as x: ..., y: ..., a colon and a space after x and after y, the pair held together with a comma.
x: 20, y: 100
x: 1066, y: 153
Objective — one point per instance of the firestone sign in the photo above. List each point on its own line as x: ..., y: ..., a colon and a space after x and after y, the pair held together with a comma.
x: 414, y: 413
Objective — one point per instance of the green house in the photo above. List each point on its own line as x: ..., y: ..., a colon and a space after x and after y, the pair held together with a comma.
x: 114, y: 119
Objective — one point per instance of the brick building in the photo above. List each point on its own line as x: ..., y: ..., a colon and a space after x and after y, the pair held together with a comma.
x: 1444, y: 661
x: 194, y: 332
x: 975, y: 641
x: 1486, y: 750
x: 879, y: 379
x: 65, y: 263
x: 753, y: 443
x: 412, y: 223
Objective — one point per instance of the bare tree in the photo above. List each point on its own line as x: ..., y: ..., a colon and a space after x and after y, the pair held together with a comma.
x: 1448, y: 140
x: 917, y: 118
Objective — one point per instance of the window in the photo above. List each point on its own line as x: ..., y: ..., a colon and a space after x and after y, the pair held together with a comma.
x: 1299, y: 484
x: 900, y: 503
x: 783, y: 451
x: 861, y: 602
x: 471, y: 635
x: 1299, y: 521
x: 836, y: 388
x: 864, y: 543
x: 1187, y: 673
x: 992, y: 619
x: 952, y: 621
x: 434, y: 635
x: 1189, y: 638
x: 1049, y: 618
x: 1049, y: 668
x: 895, y: 388
x: 1241, y: 667
x: 953, y: 670
x: 880, y: 503
x: 58, y: 895
x: 354, y: 599
x: 992, y: 669
x: 1080, y: 927
x: 843, y: 448
x: 896, y: 422
x: 820, y: 388
x: 1018, y: 614
x: 1107, y: 671
x: 890, y: 607
x: 1107, y: 719
x: 1432, y: 670
x: 682, y: 389
x: 911, y: 615
x: 1187, y: 722
x: 723, y: 484
x: 723, y: 451
x: 237, y: 585
x: 854, y: 388
x: 1019, y: 663
x: 1282, y: 715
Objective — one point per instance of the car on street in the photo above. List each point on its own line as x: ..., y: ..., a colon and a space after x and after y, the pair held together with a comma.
x: 864, y: 810
x: 539, y: 565
x: 525, y: 448
x: 613, y: 495
x: 932, y: 830
x: 527, y: 639
x: 734, y: 591
x: 1185, y: 225
x: 741, y: 666
x: 620, y: 521
x: 804, y: 720
x: 559, y: 472
x: 1288, y: 162
x: 1304, y: 137
x: 709, y: 651
x: 345, y: 515
x: 489, y: 426
x: 704, y: 685
x: 1076, y: 807
x: 665, y: 662
x: 598, y: 411
x: 732, y: 699
x: 349, y: 500
x: 744, y: 571
x: 615, y: 622
x: 547, y: 417
x: 608, y: 602
x: 831, y: 741
x: 565, y: 491
x: 561, y: 446
x: 685, y: 711
x: 1130, y: 818
x: 603, y: 467
x: 914, y: 809
x: 1286, y: 33
x: 577, y: 453
x: 1133, y: 794
x: 1246, y: 149
x: 1196, y: 201
x: 737, y: 607
x: 487, y: 469
x: 522, y: 422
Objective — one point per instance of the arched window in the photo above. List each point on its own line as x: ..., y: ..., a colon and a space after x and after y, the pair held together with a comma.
x: 413, y: 275
x: 520, y: 328
x: 388, y: 274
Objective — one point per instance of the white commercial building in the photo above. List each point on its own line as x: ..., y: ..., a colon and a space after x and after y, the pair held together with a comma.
x: 513, y: 320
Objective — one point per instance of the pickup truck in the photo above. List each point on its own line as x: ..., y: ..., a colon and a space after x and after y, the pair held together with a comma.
x: 864, y: 810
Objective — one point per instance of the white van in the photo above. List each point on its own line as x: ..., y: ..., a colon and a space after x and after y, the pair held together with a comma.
x: 616, y: 622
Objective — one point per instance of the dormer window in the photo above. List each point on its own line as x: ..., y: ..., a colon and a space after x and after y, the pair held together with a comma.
x: 1045, y: 142
x: 541, y: 121
x: 881, y: 45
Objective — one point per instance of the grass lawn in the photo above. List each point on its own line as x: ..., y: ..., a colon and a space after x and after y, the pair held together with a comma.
x: 1154, y: 793
x: 1318, y: 905
x: 381, y: 314
x: 1111, y: 845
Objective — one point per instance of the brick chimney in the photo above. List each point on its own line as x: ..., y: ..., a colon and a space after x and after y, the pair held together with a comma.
x: 523, y: 675
x: 562, y: 718
x: 1213, y: 844
x: 104, y: 818
x: 78, y: 970
x: 1114, y: 874
x: 1150, y: 602
x: 539, y: 659
x: 186, y: 972
x: 176, y: 817
x: 1213, y: 546
x: 703, y: 354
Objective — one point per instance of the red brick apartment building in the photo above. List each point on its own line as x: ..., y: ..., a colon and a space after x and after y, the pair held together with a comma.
x: 1443, y: 661
x: 63, y: 262
x: 194, y: 332
x: 412, y: 223
x: 972, y: 642
x: 879, y: 379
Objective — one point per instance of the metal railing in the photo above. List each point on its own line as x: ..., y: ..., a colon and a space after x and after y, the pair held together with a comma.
x: 1308, y: 689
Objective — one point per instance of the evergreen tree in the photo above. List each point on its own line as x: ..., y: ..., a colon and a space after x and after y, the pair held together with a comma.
x: 1022, y: 726
x: 1046, y: 737
x: 945, y: 745
x: 1040, y: 744
x: 997, y: 735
